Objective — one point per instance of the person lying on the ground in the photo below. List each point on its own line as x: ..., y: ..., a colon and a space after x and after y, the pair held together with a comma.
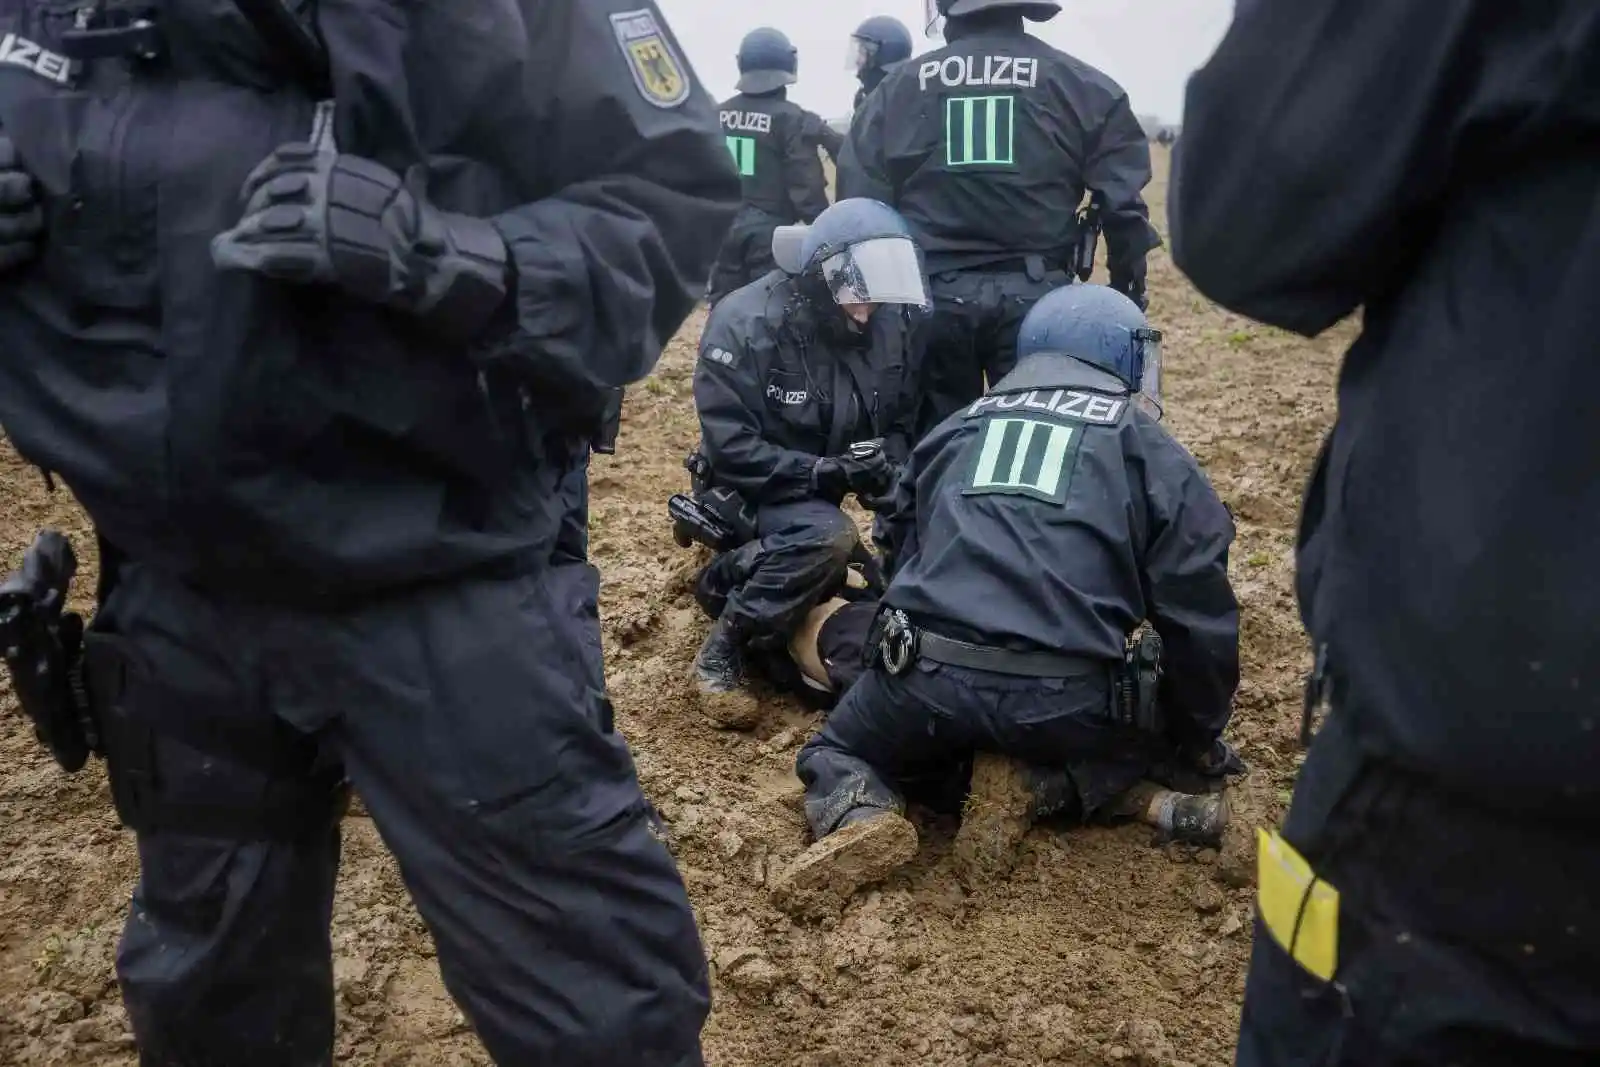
x: 826, y: 656
x: 823, y: 656
x: 793, y: 370
x: 1030, y: 539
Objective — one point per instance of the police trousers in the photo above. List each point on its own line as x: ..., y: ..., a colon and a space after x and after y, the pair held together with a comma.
x: 1464, y: 936
x: 892, y: 732
x: 971, y: 337
x: 805, y: 549
x: 471, y: 718
x: 746, y: 253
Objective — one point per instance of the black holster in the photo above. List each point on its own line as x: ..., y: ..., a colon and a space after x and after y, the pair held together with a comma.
x: 609, y: 429
x: 42, y: 644
x: 714, y: 516
x: 1136, y: 690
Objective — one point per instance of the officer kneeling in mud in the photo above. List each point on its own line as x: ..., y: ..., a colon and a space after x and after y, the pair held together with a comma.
x: 328, y: 401
x: 1030, y: 538
x: 803, y: 396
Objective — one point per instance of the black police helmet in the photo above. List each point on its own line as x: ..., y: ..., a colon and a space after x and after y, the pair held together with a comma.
x: 1032, y: 10
x: 886, y: 39
x: 767, y: 61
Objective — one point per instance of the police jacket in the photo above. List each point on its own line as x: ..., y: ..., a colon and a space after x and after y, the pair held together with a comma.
x: 1055, y: 515
x: 775, y: 393
x: 987, y: 146
x: 1448, y: 545
x: 774, y: 146
x: 268, y: 439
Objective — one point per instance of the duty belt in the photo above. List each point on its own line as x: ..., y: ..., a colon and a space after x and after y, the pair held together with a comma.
x: 901, y: 644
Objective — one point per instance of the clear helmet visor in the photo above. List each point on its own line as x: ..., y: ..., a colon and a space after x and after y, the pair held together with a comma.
x: 883, y: 270
x: 932, y: 21
x: 1149, y: 394
x: 860, y: 55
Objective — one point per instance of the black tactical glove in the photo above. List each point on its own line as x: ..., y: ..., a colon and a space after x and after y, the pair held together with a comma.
x: 21, y: 220
x: 1131, y: 284
x: 865, y: 474
x: 314, y: 215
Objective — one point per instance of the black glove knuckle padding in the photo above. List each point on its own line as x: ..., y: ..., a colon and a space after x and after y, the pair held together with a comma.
x: 290, y: 186
x: 9, y: 159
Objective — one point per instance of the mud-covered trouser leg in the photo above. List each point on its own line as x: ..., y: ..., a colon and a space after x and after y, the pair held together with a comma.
x: 888, y: 729
x: 225, y: 957
x: 1465, y: 935
x: 805, y: 551
x: 472, y: 719
x: 878, y: 735
x: 562, y: 926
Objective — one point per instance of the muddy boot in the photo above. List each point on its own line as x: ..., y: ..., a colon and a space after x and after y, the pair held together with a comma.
x: 1187, y: 818
x: 865, y: 849
x: 1191, y: 819
x: 1004, y: 800
x: 719, y: 679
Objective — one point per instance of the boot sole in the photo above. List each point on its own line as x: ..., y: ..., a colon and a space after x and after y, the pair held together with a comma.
x: 732, y: 710
x: 996, y: 817
x: 830, y: 871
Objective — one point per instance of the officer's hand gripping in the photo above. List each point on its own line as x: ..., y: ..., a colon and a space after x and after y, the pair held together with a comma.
x: 864, y: 470
x: 1131, y: 284
x: 313, y: 214
x: 21, y: 220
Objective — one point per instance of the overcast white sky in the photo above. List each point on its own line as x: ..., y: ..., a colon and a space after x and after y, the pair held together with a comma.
x: 1149, y: 46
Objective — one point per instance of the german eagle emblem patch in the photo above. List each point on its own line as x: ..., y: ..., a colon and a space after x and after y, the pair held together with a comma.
x: 660, y: 76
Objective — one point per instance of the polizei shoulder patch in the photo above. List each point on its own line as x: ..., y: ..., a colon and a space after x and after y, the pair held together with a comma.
x: 661, y: 77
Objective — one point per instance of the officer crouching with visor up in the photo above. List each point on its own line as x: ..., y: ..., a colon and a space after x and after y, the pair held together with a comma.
x: 1030, y: 539
x: 804, y: 398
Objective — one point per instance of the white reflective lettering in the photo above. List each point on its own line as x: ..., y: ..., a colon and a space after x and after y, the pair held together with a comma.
x: 1034, y: 402
x: 747, y: 121
x: 953, y: 71
x: 1101, y: 409
x: 20, y: 52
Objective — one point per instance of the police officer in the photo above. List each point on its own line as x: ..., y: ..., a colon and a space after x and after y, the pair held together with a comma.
x: 794, y: 370
x: 878, y: 44
x: 774, y: 145
x: 1030, y: 537
x: 1447, y: 549
x: 987, y: 146
x: 324, y: 379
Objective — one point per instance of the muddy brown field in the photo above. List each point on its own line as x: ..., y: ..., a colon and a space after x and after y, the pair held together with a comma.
x: 1100, y: 948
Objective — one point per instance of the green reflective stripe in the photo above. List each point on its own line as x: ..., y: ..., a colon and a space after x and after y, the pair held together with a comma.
x: 1054, y: 462
x: 974, y: 122
x: 989, y: 457
x: 743, y: 151
x: 1026, y: 457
